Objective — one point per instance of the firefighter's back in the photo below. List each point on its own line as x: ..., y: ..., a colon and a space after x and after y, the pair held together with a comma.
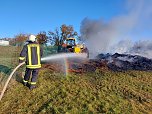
x: 33, y: 55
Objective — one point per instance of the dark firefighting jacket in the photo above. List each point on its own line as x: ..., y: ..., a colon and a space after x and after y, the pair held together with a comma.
x: 31, y: 53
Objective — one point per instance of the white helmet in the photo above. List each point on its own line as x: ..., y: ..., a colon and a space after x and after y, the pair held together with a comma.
x: 32, y: 38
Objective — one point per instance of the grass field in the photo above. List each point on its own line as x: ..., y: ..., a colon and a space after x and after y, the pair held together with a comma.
x: 8, y: 61
x: 109, y: 92
x: 9, y: 55
x: 99, y: 92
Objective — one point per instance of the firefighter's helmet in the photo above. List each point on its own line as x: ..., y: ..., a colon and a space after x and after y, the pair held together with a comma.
x: 32, y: 38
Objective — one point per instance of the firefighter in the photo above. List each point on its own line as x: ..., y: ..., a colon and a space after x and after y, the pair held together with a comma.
x: 31, y: 53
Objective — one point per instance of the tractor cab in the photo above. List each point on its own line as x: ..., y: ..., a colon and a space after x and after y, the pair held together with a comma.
x: 70, y: 42
x: 71, y: 46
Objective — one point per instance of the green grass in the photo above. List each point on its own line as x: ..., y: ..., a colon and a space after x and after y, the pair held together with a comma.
x: 8, y: 61
x: 9, y: 55
x: 99, y: 92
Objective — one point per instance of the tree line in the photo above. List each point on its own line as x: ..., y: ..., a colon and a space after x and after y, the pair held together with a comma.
x: 55, y: 38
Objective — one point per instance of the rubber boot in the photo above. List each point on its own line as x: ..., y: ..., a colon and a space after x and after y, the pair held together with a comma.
x: 24, y: 83
x: 32, y: 87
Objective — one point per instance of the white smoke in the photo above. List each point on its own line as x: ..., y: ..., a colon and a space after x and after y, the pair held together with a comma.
x: 143, y: 48
x: 122, y: 46
x: 126, y: 59
x: 100, y: 36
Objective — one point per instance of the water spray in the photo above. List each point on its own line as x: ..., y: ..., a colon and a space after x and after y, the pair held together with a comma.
x: 5, y: 86
x: 64, y: 55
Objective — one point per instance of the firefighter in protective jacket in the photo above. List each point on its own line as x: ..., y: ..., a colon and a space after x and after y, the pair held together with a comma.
x: 31, y: 53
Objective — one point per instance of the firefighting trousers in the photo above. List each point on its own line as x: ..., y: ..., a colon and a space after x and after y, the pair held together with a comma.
x: 28, y: 73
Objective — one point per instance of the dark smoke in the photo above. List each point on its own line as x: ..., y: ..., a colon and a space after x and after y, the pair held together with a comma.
x: 100, y: 36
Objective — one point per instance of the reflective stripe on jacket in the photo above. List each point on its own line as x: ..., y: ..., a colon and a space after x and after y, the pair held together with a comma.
x: 32, y: 52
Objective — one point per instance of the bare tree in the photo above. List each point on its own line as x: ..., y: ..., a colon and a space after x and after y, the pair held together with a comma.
x: 58, y: 36
x: 42, y: 37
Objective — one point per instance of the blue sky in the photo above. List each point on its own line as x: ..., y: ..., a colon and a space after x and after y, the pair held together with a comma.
x: 33, y: 16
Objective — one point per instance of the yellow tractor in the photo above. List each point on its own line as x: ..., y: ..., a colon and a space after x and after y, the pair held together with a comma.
x: 71, y: 46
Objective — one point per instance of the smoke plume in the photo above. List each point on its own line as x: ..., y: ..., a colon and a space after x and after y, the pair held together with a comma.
x: 100, y: 36
x: 143, y: 48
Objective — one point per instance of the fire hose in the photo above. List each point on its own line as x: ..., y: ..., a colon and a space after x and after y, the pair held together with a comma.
x: 10, y: 76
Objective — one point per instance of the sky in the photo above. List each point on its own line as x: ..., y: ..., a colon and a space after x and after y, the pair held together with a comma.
x: 33, y: 16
